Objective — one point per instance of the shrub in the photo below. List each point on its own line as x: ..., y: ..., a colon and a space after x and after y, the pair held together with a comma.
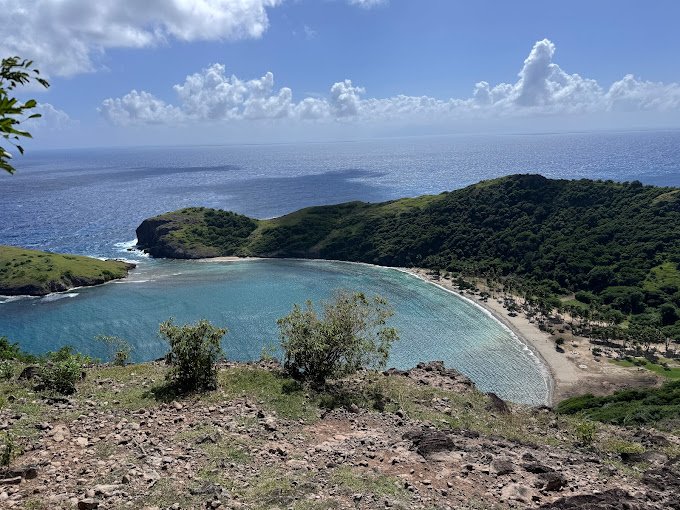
x: 6, y: 370
x: 60, y: 376
x: 119, y: 349
x: 585, y: 432
x: 194, y: 352
x: 9, y: 449
x: 351, y: 334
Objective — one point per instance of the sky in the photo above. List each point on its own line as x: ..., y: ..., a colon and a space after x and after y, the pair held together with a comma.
x: 159, y: 72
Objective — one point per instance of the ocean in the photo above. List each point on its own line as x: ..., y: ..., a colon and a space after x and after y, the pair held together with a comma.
x: 89, y: 201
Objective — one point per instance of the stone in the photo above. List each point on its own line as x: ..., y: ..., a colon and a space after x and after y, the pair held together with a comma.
x: 497, y: 404
x: 81, y: 441
x: 552, y: 481
x: 502, y: 467
x: 428, y: 441
x: 88, y: 504
x: 517, y: 492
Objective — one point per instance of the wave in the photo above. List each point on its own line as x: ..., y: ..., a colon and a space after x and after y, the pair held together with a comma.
x: 11, y: 299
x: 57, y: 296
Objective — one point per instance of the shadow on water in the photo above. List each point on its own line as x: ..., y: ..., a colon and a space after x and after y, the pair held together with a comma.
x: 246, y: 196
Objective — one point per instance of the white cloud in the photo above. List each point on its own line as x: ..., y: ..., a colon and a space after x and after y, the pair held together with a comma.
x: 367, y: 4
x: 51, y: 118
x: 65, y: 37
x: 542, y: 88
x: 139, y: 106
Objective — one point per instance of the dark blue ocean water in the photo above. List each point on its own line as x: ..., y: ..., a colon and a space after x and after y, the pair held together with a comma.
x: 90, y: 202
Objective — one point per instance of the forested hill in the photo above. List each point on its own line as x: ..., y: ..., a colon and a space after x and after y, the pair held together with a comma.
x: 620, y: 240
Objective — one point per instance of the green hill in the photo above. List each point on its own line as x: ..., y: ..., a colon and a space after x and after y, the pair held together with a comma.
x: 36, y: 273
x: 620, y: 241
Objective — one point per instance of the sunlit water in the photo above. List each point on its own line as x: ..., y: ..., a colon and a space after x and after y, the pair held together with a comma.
x: 247, y: 297
x: 90, y: 202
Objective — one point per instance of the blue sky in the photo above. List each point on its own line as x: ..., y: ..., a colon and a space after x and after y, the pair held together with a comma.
x: 341, y: 70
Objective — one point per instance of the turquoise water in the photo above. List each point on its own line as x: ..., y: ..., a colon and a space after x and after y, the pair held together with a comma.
x: 248, y: 296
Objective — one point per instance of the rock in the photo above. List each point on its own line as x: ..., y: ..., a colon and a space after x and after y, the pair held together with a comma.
x: 88, y: 504
x: 60, y: 433
x: 81, y: 441
x: 27, y: 473
x: 15, y: 480
x: 430, y: 441
x: 517, y: 492
x: 30, y: 372
x: 537, y: 468
x: 552, y: 481
x: 502, y: 467
x: 614, y: 499
x: 497, y: 404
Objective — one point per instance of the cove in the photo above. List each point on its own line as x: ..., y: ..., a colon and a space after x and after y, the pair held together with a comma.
x: 248, y: 296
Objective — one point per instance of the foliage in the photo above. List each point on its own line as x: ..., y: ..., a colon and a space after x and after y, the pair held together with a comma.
x: 628, y: 407
x: 352, y: 333
x: 9, y: 449
x: 119, y: 349
x: 61, y: 376
x: 13, y: 72
x: 12, y: 351
x: 6, y: 370
x: 585, y: 432
x: 25, y: 271
x: 615, y: 243
x: 194, y: 353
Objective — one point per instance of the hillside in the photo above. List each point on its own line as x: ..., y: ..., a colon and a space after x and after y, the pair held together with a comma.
x: 619, y: 241
x: 420, y: 439
x: 37, y: 273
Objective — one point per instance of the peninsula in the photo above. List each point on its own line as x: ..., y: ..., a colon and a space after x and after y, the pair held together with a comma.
x: 37, y: 273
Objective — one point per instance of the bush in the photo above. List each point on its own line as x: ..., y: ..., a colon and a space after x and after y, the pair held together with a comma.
x: 9, y: 450
x: 119, y: 349
x: 351, y: 334
x: 194, y: 353
x: 585, y: 432
x: 6, y: 370
x: 60, y: 376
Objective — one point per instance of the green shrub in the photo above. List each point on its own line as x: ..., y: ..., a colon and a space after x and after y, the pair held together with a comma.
x: 119, y: 349
x: 60, y: 376
x: 351, y: 334
x: 9, y: 449
x: 585, y: 432
x: 194, y: 353
x: 6, y: 370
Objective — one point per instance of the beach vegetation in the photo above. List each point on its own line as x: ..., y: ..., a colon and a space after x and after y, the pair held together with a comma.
x: 195, y: 350
x: 350, y: 333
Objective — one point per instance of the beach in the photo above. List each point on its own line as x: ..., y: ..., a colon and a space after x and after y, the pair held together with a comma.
x: 573, y: 372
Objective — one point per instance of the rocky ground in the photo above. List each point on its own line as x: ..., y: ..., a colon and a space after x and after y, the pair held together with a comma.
x: 422, y: 439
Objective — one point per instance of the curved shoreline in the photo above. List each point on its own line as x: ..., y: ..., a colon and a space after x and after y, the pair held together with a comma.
x: 553, y: 372
x: 549, y: 369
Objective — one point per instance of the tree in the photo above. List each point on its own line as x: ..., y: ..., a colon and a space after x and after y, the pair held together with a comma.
x: 14, y: 72
x: 194, y: 352
x: 352, y: 333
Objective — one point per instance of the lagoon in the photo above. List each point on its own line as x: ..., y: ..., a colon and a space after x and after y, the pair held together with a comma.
x: 248, y: 296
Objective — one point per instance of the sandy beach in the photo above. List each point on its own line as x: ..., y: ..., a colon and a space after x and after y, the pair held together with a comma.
x: 573, y: 372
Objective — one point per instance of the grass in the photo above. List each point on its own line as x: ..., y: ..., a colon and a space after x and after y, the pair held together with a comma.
x: 666, y: 275
x: 352, y: 480
x: 21, y: 268
x: 668, y: 373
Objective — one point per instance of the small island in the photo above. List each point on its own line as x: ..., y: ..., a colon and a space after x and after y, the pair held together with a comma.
x: 37, y: 273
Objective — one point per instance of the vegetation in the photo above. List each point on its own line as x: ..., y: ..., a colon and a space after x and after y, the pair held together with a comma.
x: 351, y: 334
x: 31, y: 272
x: 628, y: 407
x: 194, y: 352
x: 614, y: 247
x: 60, y: 376
x: 14, y: 72
x: 119, y: 349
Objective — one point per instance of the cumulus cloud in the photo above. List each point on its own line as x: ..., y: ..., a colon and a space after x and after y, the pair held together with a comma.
x: 542, y: 88
x: 51, y: 118
x: 65, y: 37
